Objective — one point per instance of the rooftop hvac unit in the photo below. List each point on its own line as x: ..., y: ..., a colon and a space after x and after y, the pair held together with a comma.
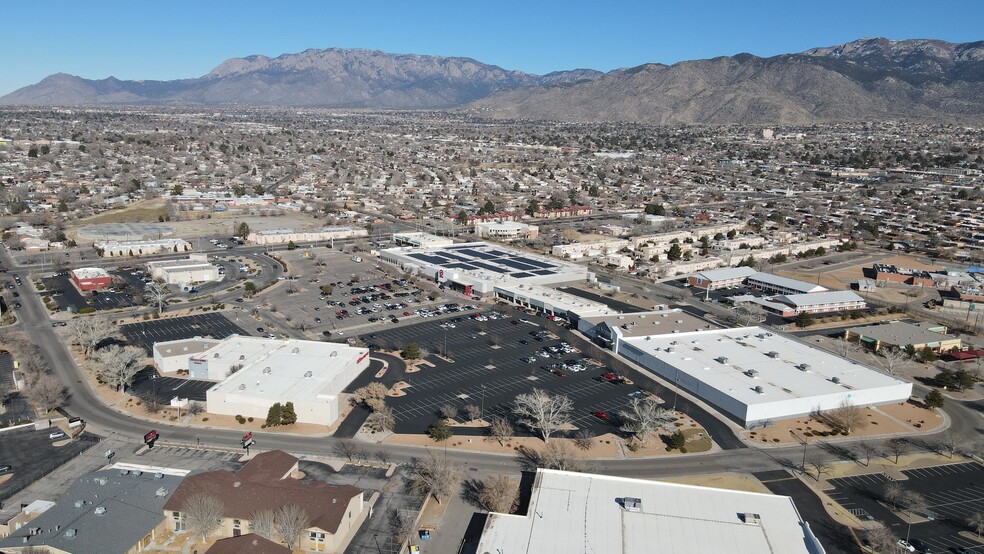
x: 71, y: 533
x: 722, y: 360
x: 632, y: 504
x: 136, y: 473
x: 216, y: 355
x: 101, y: 480
x: 242, y: 356
x: 749, y: 518
x: 835, y: 380
x: 124, y: 472
x: 751, y: 373
x: 804, y: 367
x: 308, y: 374
x: 100, y: 510
x: 295, y: 351
x: 334, y: 354
x: 267, y: 370
x: 772, y: 354
x: 670, y: 350
x: 162, y: 492
x: 242, y: 386
x: 759, y: 390
x: 79, y: 503
x: 158, y: 475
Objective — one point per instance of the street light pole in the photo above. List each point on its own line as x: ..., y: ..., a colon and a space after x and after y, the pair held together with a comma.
x: 482, y: 413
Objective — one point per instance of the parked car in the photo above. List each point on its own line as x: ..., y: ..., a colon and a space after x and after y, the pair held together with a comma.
x: 601, y: 415
x: 6, y: 468
x: 904, y: 545
x: 56, y: 435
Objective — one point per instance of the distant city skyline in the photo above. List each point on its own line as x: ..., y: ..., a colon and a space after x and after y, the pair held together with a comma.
x: 182, y: 39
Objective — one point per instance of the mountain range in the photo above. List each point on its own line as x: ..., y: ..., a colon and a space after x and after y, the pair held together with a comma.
x: 865, y: 80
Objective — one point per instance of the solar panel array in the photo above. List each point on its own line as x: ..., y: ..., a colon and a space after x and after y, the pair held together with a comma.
x: 471, y: 258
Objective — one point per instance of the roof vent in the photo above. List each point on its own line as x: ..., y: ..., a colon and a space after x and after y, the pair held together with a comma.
x: 722, y: 360
x: 749, y: 518
x: 100, y: 510
x: 101, y: 480
x: 295, y: 350
x: 752, y: 373
x: 759, y: 389
x: 242, y: 386
x: 334, y: 354
x: 632, y: 504
x: 71, y: 533
x: 267, y: 370
x: 137, y: 473
x: 237, y: 484
x: 772, y: 354
x: 835, y: 380
x: 158, y: 475
x: 162, y: 492
x: 242, y: 356
x: 79, y: 503
x: 216, y: 355
x: 309, y: 373
x: 803, y: 367
x: 124, y: 472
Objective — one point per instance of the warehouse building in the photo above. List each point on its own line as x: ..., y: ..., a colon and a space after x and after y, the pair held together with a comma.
x: 506, y: 230
x: 900, y: 334
x: 288, y: 235
x: 584, y: 512
x: 477, y: 267
x: 551, y: 302
x: 91, y: 278
x: 610, y: 330
x: 724, y: 278
x: 421, y: 239
x: 757, y: 376
x: 259, y: 372
x: 120, y: 249
x: 196, y: 269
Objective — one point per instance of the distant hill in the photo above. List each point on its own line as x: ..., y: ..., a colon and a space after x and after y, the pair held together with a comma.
x: 341, y: 78
x: 868, y: 79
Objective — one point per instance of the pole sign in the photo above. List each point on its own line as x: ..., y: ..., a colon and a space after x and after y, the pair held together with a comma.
x: 150, y: 437
x: 248, y: 440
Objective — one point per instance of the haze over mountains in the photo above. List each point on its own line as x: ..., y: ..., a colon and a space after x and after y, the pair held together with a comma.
x: 868, y: 79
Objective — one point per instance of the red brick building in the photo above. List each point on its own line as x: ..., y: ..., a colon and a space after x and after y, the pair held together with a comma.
x: 91, y: 278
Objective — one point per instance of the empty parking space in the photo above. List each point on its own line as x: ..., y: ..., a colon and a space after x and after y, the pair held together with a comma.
x: 146, y: 333
x: 952, y: 494
x: 166, y: 388
x: 32, y: 455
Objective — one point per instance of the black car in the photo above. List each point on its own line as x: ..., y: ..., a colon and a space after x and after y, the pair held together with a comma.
x: 260, y: 330
x: 524, y: 341
x: 5, y: 468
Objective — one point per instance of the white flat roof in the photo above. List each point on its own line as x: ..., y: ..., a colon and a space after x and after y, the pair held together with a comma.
x: 89, y: 272
x: 585, y: 513
x: 819, y: 298
x: 558, y: 299
x: 663, y: 322
x: 699, y: 355
x: 111, y: 244
x: 786, y: 282
x: 726, y: 273
x: 292, y: 369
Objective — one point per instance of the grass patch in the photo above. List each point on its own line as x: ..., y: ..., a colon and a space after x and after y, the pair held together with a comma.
x: 146, y: 213
x: 695, y: 444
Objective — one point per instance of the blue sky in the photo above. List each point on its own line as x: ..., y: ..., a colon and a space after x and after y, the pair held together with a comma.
x: 172, y: 39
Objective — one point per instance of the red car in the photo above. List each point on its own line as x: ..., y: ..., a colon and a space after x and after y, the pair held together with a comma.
x: 406, y: 314
x: 609, y: 375
x: 600, y: 414
x: 559, y: 373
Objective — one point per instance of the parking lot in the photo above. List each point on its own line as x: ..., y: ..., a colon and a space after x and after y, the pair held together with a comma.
x: 146, y: 333
x: 167, y: 388
x: 17, y: 407
x: 953, y: 493
x: 69, y: 298
x: 32, y: 455
x: 489, y: 371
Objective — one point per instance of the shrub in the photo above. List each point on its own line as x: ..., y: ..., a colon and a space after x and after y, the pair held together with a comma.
x: 87, y: 310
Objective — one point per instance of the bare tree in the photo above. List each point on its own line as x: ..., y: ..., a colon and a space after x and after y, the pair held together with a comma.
x: 882, y: 540
x: 382, y: 419
x: 499, y: 494
x: 845, y: 348
x: 946, y: 443
x: 500, y: 429
x: 560, y: 455
x: 290, y: 521
x: 261, y: 523
x: 89, y: 332
x: 203, y: 513
x: 157, y: 292
x: 820, y: 466
x: 847, y: 416
x: 583, y: 439
x: 893, y: 360
x: 403, y: 525
x: 542, y: 412
x: 346, y: 449
x: 893, y: 492
x: 748, y: 313
x: 645, y: 418
x: 898, y: 446
x: 913, y: 502
x: 47, y: 393
x: 976, y: 522
x: 449, y: 411
x: 121, y: 365
x: 435, y: 476
x: 472, y: 412
x: 372, y: 395
x: 867, y: 450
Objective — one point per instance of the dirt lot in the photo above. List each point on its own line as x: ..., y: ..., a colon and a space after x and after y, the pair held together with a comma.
x: 219, y: 224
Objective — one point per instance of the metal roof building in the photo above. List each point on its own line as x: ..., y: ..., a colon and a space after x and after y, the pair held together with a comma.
x: 581, y: 512
x: 782, y: 285
x: 755, y: 375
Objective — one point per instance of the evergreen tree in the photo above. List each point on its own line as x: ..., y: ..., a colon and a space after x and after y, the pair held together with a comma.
x: 275, y: 415
x: 440, y: 431
x: 287, y: 414
x: 934, y: 399
x: 675, y: 253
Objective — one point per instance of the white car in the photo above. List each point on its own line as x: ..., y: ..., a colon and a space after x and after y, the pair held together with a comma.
x: 904, y: 545
x: 56, y: 435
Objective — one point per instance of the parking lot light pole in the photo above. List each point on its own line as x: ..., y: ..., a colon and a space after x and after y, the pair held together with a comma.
x: 805, y: 443
x: 482, y: 413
